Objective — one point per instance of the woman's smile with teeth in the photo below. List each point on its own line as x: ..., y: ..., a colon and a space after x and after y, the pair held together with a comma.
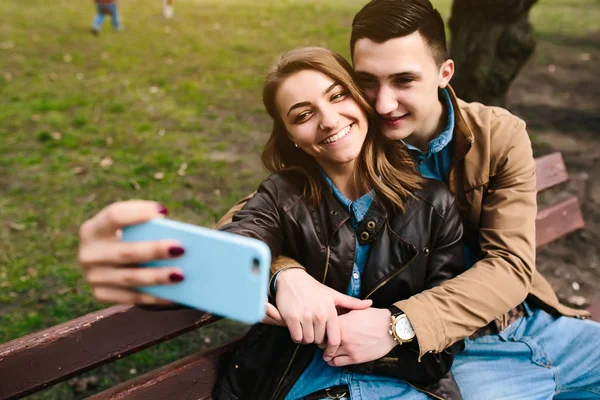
x: 334, y: 138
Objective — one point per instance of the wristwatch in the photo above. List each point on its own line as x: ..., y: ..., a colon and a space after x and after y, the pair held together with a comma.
x: 400, y: 327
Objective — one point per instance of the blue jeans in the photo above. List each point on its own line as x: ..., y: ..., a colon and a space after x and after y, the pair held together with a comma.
x: 104, y: 9
x: 539, y: 357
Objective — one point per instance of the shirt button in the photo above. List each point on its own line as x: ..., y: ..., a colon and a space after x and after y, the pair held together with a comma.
x: 356, y: 275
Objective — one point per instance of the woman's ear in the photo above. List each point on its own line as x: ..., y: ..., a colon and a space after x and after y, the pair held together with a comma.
x: 446, y: 73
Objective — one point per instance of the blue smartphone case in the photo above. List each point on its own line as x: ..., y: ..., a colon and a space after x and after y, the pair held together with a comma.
x: 225, y: 274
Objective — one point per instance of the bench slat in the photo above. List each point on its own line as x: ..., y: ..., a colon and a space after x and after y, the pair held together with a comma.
x: 55, y: 354
x: 192, y: 377
x: 550, y: 170
x: 595, y: 311
x: 557, y: 221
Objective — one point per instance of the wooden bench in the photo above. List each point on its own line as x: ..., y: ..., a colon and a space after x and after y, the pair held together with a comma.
x: 41, y: 359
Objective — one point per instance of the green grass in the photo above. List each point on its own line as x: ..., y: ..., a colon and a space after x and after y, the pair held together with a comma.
x: 160, y: 94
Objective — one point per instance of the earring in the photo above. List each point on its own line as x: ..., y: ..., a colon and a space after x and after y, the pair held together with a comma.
x: 296, y: 144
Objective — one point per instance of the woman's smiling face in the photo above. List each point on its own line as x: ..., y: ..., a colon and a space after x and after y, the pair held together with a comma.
x: 322, y: 118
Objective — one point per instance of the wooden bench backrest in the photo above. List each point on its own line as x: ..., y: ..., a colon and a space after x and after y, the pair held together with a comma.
x: 55, y: 354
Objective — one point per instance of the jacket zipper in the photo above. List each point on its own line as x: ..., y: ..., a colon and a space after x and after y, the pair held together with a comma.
x: 298, y: 346
x: 392, y: 276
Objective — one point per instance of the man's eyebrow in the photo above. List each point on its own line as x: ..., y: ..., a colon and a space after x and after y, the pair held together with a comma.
x: 306, y: 103
x: 404, y: 74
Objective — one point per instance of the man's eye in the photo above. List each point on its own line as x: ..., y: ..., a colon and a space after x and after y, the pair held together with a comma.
x: 403, y: 81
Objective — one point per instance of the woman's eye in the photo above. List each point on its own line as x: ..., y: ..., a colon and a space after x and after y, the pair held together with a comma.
x: 301, y: 117
x: 338, y: 96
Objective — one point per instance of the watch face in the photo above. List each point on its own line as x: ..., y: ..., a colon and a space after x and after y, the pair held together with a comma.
x: 404, y: 329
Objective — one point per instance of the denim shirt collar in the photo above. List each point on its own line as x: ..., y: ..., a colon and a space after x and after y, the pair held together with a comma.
x: 358, y: 208
x: 445, y: 137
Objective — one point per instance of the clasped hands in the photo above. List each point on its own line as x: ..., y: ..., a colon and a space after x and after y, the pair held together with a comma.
x: 348, y: 329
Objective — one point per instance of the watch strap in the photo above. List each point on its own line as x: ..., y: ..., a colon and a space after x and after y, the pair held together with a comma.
x: 395, y: 310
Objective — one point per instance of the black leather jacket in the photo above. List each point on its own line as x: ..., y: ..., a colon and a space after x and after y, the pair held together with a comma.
x: 409, y: 253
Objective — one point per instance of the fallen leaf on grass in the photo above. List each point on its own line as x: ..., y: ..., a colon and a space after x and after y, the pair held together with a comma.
x: 106, y: 162
x: 134, y: 184
x: 81, y: 384
x: 182, y: 169
x: 7, y: 45
x: 56, y: 135
x: 8, y: 77
x: 32, y: 272
x: 15, y: 226
x: 77, y: 170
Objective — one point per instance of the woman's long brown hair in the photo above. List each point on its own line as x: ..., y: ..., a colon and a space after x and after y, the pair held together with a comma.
x: 382, y: 164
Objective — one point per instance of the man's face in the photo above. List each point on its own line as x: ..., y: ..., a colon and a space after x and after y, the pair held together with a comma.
x: 401, y: 79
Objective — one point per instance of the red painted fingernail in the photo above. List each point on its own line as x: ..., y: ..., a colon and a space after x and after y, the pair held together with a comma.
x: 175, y: 277
x: 176, y: 251
x: 162, y: 209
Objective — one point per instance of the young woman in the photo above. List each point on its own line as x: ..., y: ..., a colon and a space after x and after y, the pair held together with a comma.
x: 349, y: 205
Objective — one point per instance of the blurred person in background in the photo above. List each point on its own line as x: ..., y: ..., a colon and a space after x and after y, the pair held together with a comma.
x: 104, y: 8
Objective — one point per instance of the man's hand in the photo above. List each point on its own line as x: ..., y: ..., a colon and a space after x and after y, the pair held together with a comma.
x: 365, y: 337
x: 309, y: 308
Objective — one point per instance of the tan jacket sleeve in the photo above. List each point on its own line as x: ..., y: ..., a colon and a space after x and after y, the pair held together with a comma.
x: 277, y: 264
x: 503, y: 277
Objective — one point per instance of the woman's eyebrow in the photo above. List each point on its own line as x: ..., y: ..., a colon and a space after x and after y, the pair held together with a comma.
x: 306, y: 103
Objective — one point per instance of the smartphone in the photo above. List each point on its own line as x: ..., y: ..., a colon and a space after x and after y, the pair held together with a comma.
x: 225, y: 274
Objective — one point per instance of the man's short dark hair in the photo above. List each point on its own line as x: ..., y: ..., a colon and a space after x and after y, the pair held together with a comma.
x: 382, y: 20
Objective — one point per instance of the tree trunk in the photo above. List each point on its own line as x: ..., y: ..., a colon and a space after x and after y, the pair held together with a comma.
x: 491, y: 41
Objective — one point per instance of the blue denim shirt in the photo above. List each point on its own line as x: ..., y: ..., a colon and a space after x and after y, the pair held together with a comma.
x: 318, y: 375
x: 435, y: 164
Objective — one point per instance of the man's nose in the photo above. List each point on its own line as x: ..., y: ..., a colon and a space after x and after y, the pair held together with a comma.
x: 385, y: 101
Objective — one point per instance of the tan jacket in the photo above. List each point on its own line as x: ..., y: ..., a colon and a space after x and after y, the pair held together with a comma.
x: 493, y: 179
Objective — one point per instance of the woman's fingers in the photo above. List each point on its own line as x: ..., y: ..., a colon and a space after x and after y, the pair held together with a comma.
x: 133, y: 277
x: 117, y: 215
x: 116, y: 295
x: 272, y: 317
x: 333, y: 338
x: 107, y: 252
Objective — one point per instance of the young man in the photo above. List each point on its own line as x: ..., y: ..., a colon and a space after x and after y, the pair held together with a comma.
x: 515, y: 328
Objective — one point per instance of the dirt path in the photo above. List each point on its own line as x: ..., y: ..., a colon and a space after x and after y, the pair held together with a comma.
x: 560, y: 100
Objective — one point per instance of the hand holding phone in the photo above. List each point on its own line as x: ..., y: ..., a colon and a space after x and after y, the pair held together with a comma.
x: 225, y: 274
